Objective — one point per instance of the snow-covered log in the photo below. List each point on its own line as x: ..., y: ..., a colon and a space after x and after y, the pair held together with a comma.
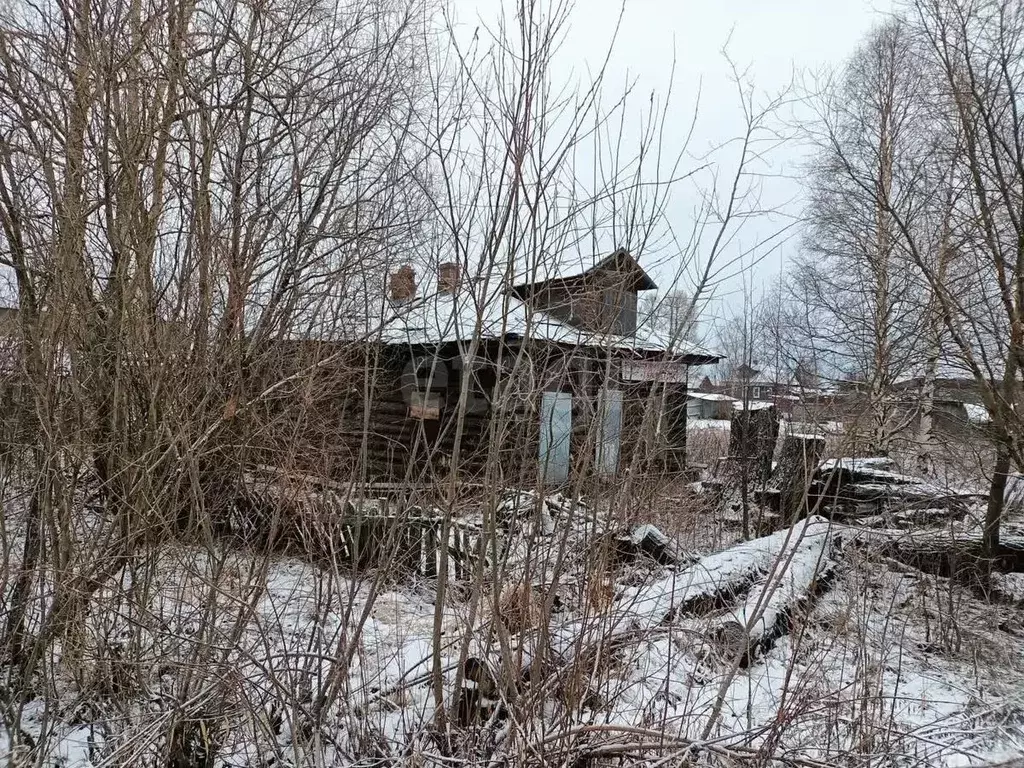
x: 764, y: 614
x: 712, y: 580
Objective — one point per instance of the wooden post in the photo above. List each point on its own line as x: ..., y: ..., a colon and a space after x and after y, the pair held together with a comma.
x: 430, y: 538
x: 798, y: 458
x: 752, y: 436
x: 675, y: 426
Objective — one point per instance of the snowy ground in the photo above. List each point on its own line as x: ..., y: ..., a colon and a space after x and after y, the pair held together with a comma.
x: 845, y: 658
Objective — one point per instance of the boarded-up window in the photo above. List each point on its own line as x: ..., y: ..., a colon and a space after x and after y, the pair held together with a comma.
x: 555, y: 431
x: 610, y: 435
x: 425, y: 405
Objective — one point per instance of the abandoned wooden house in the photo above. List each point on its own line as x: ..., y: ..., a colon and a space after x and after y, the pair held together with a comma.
x: 514, y: 380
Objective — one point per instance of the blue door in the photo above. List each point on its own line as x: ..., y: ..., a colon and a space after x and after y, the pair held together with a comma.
x: 555, y: 432
x: 609, y: 437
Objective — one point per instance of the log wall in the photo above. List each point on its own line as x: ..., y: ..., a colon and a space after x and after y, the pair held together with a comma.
x: 351, y: 419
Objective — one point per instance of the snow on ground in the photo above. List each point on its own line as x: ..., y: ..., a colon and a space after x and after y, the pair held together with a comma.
x: 977, y: 414
x: 252, y: 645
x: 282, y: 662
x: 856, y: 677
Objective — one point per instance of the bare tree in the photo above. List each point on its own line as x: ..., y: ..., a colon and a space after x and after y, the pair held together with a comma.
x: 950, y: 202
x: 974, y: 49
x: 671, y: 314
x: 855, y: 272
x: 180, y: 183
x: 200, y: 205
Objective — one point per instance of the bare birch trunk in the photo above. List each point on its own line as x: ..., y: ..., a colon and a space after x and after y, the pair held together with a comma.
x: 881, y: 373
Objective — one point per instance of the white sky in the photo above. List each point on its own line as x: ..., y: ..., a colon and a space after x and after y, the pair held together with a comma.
x: 776, y: 41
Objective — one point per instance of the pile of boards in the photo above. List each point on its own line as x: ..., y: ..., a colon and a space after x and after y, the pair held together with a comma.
x: 858, y: 487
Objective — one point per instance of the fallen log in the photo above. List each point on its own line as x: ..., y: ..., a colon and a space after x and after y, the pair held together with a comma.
x: 753, y: 627
x: 943, y: 555
x: 712, y: 581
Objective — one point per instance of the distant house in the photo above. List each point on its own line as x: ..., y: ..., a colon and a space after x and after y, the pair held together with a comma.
x: 709, y: 405
x: 769, y: 384
x: 586, y: 383
x: 949, y: 383
x: 956, y: 400
x: 952, y: 395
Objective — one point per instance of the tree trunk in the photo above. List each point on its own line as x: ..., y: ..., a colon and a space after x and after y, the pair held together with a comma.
x: 880, y: 266
x: 997, y: 490
x: 798, y: 458
x: 925, y: 437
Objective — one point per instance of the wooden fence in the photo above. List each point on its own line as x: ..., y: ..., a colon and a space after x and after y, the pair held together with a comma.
x: 364, y: 532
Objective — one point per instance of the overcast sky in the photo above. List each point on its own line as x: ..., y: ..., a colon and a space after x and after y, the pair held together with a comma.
x: 776, y: 41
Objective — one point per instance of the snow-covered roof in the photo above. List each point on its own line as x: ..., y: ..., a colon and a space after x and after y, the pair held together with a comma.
x: 977, y: 414
x: 710, y: 396
x: 489, y: 309
x: 945, y: 370
x: 752, y: 405
x: 444, y: 318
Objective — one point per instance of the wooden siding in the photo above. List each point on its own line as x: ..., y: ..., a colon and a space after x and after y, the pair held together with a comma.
x: 351, y: 420
x: 601, y: 302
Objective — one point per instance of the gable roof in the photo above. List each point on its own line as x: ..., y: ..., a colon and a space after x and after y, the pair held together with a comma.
x: 620, y: 260
x: 495, y: 308
x: 760, y: 375
x: 443, y: 318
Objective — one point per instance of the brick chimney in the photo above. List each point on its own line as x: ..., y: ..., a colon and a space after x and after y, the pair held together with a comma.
x: 403, y: 283
x: 448, y: 277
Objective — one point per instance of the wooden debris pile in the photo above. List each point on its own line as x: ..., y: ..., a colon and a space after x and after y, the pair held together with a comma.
x: 857, y: 487
x: 648, y: 540
x: 800, y: 482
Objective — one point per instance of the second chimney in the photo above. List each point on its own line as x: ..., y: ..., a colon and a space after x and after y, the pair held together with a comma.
x: 403, y: 283
x: 448, y: 276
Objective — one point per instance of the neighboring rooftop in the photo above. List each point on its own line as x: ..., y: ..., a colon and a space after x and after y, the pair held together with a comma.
x: 713, y: 397
x: 619, y: 260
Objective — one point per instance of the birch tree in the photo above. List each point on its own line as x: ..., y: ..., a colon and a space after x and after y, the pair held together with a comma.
x: 975, y: 50
x: 854, y: 269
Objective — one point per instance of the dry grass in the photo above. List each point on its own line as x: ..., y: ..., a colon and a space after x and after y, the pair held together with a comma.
x: 520, y: 607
